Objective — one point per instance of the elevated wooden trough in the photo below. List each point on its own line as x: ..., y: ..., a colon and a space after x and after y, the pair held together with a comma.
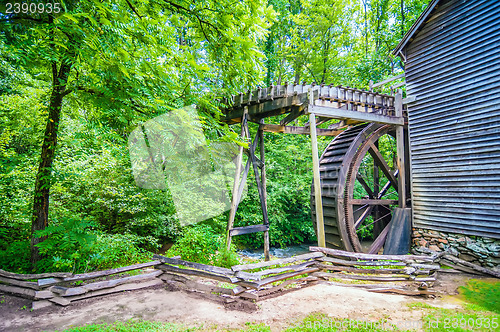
x: 294, y: 99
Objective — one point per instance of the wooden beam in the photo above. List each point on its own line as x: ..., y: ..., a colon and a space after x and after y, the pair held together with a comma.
x: 198, y: 266
x: 93, y: 275
x: 296, y: 267
x: 264, y: 188
x: 373, y: 201
x: 409, y: 99
x: 20, y: 291
x: 365, y: 185
x: 317, y: 178
x: 304, y: 257
x: 376, y: 85
x: 17, y: 276
x: 359, y: 255
x: 287, y: 275
x: 248, y: 229
x: 348, y: 262
x: 236, y: 183
x: 294, y: 114
x: 199, y: 273
x: 272, y: 128
x: 71, y: 291
x: 400, y: 148
x: 15, y: 282
x: 260, y: 188
x: 271, y: 107
x: 337, y: 113
x: 379, y: 159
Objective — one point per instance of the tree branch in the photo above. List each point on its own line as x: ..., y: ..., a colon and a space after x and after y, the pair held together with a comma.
x: 201, y: 21
x: 133, y: 9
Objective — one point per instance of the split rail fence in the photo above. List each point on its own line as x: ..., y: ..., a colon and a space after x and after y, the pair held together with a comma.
x: 254, y: 281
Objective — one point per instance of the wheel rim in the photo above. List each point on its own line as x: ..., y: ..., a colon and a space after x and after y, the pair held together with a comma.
x: 346, y: 213
x: 375, y: 208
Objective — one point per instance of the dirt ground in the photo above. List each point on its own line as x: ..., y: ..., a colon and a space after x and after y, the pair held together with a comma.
x: 160, y: 304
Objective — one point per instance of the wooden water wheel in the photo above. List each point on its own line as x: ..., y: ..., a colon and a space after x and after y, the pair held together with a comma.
x: 359, y: 187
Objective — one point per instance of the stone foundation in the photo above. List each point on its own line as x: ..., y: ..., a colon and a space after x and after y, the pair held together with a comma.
x: 478, y: 250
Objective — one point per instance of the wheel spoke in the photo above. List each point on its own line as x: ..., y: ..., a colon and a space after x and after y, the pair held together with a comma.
x: 379, y: 241
x: 360, y: 208
x: 388, y: 214
x: 369, y: 191
x: 386, y: 187
x: 373, y: 201
x: 379, y: 159
x: 363, y: 216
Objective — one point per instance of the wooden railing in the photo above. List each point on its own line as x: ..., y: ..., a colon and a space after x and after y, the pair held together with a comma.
x: 248, y: 281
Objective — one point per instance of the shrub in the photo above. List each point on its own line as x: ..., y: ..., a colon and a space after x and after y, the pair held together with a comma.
x: 16, y: 257
x: 75, y: 246
x: 201, y: 243
x: 114, y: 250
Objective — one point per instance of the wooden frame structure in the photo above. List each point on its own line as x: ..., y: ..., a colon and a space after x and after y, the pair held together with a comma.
x: 321, y: 103
x: 259, y: 169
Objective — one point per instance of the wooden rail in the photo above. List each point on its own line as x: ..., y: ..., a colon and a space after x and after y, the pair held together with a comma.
x: 385, y: 268
x: 241, y: 282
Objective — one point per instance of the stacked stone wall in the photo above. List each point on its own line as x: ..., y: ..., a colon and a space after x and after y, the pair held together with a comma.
x: 478, y: 250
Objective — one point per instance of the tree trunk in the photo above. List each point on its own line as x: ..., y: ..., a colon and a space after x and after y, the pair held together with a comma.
x: 402, y: 19
x: 42, y: 183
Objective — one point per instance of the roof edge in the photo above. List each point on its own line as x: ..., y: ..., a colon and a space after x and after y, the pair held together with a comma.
x: 415, y: 27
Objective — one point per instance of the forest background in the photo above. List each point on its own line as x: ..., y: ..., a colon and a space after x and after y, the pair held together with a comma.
x: 75, y: 84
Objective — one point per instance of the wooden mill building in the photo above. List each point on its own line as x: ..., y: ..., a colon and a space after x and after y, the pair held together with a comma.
x: 452, y: 66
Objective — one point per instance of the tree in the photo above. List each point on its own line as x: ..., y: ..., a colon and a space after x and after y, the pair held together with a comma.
x: 123, y: 59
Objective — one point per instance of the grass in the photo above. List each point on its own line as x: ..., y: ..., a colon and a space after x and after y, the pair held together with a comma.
x: 482, y: 295
x: 480, y: 310
x: 313, y: 323
x: 133, y: 326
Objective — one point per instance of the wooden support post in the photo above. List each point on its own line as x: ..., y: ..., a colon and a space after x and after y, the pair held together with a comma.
x: 263, y: 176
x: 260, y: 189
x: 236, y: 184
x: 400, y: 147
x: 317, y: 179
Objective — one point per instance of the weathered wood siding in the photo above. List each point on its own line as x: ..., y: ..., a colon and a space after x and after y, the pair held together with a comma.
x: 453, y: 70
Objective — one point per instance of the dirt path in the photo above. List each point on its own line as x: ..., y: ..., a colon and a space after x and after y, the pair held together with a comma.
x: 180, y: 307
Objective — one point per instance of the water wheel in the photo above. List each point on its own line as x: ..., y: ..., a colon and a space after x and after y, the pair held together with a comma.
x: 359, y: 187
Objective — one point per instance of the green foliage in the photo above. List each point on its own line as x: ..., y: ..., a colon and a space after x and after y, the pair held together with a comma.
x: 198, y: 243
x: 201, y: 243
x: 484, y: 294
x: 319, y: 322
x: 65, y: 243
x: 75, y: 245
x: 130, y: 65
x: 132, y: 326
x: 463, y: 319
x: 226, y: 258
x: 15, y: 257
x: 114, y: 250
